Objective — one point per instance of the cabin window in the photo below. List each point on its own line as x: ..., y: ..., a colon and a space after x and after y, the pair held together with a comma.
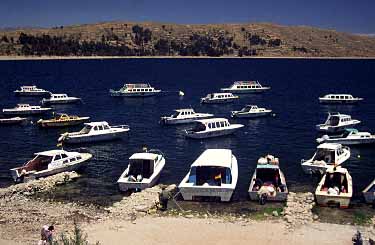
x: 57, y: 157
x: 96, y: 128
x: 199, y: 127
x: 64, y: 155
x: 106, y: 127
x: 142, y: 167
x: 217, y: 124
x: 79, y: 158
x: 222, y: 124
x: 214, y: 176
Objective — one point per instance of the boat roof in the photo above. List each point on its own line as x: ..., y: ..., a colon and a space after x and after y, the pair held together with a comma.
x: 96, y: 123
x: 50, y: 153
x: 338, y: 114
x: 144, y: 156
x: 214, y: 158
x: 330, y: 146
x: 246, y: 82
x: 59, y: 94
x: 184, y: 109
x: 338, y: 95
x: 269, y: 166
x: 208, y: 120
x: 137, y: 85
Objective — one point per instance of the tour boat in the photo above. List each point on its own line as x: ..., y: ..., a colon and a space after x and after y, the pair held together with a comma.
x: 268, y: 181
x: 12, y: 121
x: 246, y: 87
x: 335, y: 188
x: 251, y: 111
x: 339, y: 99
x: 135, y: 90
x: 369, y: 193
x: 184, y: 116
x: 351, y: 136
x: 215, y: 98
x: 62, y: 120
x: 212, y: 127
x: 143, y: 171
x: 326, y: 155
x: 26, y: 109
x: 48, y: 163
x: 31, y: 91
x: 60, y: 99
x: 93, y: 132
x: 213, y: 174
x: 337, y: 122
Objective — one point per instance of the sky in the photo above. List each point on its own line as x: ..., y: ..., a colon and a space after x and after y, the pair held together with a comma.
x: 354, y: 16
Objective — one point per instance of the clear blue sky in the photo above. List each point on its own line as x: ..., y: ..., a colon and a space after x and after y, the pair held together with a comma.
x: 343, y: 15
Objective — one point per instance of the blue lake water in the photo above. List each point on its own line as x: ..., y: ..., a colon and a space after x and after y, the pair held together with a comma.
x: 296, y: 86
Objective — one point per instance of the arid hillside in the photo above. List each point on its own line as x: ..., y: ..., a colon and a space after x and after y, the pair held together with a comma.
x: 158, y: 39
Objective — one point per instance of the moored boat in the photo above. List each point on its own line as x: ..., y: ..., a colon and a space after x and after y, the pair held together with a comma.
x: 216, y: 98
x: 246, y: 87
x: 335, y: 188
x: 339, y: 99
x: 351, y: 136
x: 213, y: 174
x: 251, y: 111
x: 268, y: 181
x: 31, y: 91
x: 336, y: 123
x: 94, y: 132
x: 213, y: 127
x: 12, y: 120
x: 48, y: 163
x: 184, y: 116
x: 143, y: 171
x: 26, y: 109
x: 326, y: 155
x: 369, y: 193
x: 62, y: 120
x: 60, y: 99
x: 135, y: 90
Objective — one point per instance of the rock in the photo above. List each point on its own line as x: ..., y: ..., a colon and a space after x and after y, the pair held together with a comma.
x: 189, y: 216
x: 275, y: 213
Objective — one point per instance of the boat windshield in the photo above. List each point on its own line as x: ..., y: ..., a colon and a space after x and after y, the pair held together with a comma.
x: 175, y: 115
x: 39, y: 163
x: 333, y: 121
x: 325, y: 155
x: 213, y: 176
x: 335, y: 183
x: 199, y: 127
x: 142, y: 167
x: 86, y: 129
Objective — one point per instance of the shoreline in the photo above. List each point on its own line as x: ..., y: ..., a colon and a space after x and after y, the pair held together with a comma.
x: 15, y: 58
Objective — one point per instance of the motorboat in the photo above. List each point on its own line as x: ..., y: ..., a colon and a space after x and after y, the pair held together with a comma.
x: 135, y: 90
x: 369, y: 193
x: 268, y: 181
x: 94, y: 132
x: 26, y: 109
x: 251, y: 111
x: 335, y: 188
x: 351, y: 136
x: 215, y: 98
x: 12, y: 120
x: 143, y: 171
x: 213, y: 127
x: 246, y: 87
x: 213, y: 174
x: 60, y: 99
x: 326, y: 155
x: 31, y: 91
x: 339, y: 99
x: 336, y: 123
x: 48, y: 163
x: 184, y: 116
x: 62, y: 120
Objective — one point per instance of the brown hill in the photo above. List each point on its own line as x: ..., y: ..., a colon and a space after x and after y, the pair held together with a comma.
x: 149, y: 39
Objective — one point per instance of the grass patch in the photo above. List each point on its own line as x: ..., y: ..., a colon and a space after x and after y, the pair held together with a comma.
x: 360, y: 218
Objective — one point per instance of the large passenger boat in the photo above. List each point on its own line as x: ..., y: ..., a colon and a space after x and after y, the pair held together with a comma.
x: 31, y: 91
x: 60, y: 99
x: 213, y: 127
x: 339, y: 99
x: 184, y: 116
x: 62, y: 120
x: 241, y: 87
x: 135, y: 90
x: 26, y: 109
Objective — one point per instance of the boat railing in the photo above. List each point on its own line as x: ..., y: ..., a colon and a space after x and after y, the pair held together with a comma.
x: 121, y: 126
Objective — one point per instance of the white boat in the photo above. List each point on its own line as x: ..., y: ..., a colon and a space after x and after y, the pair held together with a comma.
x: 246, y: 87
x: 143, y: 171
x: 60, y: 99
x: 326, y: 155
x: 268, y: 181
x: 135, y: 90
x: 351, y: 136
x: 48, y: 163
x: 184, y: 116
x: 212, y: 127
x: 31, y: 91
x: 339, y: 99
x: 93, y: 132
x: 337, y: 122
x: 251, y: 111
x: 26, y: 109
x: 335, y: 188
x: 12, y: 121
x: 369, y: 193
x: 213, y: 174
x: 215, y: 98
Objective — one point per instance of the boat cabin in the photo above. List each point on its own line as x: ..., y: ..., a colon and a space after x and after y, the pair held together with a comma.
x: 59, y: 96
x: 95, y: 127
x: 220, y: 96
x: 183, y: 112
x: 138, y: 87
x: 142, y: 165
x: 335, y: 182
x: 246, y: 85
x: 339, y: 96
x: 329, y: 153
x: 337, y: 119
x: 210, y: 124
x: 248, y: 108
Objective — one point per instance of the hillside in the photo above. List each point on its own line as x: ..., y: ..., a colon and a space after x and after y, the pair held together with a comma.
x: 158, y: 39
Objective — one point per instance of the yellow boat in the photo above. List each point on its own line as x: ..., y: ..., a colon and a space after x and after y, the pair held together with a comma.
x: 62, y: 120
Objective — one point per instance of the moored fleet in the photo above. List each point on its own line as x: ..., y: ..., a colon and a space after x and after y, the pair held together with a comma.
x: 214, y: 174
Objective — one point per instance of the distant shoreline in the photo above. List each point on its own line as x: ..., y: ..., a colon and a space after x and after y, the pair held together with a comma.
x: 12, y: 58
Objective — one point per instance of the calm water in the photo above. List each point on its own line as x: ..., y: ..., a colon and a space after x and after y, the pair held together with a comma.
x: 296, y: 86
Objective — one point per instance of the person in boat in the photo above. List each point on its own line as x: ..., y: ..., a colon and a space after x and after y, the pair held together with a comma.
x: 163, y: 199
x: 46, y: 235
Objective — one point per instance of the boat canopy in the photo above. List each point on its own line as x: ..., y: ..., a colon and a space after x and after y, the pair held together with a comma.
x: 144, y: 156
x: 50, y: 153
x: 351, y: 130
x: 212, y: 120
x: 93, y: 124
x: 214, y: 158
x: 329, y: 146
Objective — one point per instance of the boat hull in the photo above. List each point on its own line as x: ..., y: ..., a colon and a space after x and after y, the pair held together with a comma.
x: 218, y: 101
x: 22, y: 93
x: 330, y: 101
x: 25, y: 112
x: 211, y: 134
x: 172, y: 121
x: 56, y: 102
x: 251, y: 115
x: 50, y: 124
x: 350, y: 141
x: 189, y: 193
x: 334, y: 129
x: 328, y: 200
x: 12, y: 121
x: 93, y: 138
